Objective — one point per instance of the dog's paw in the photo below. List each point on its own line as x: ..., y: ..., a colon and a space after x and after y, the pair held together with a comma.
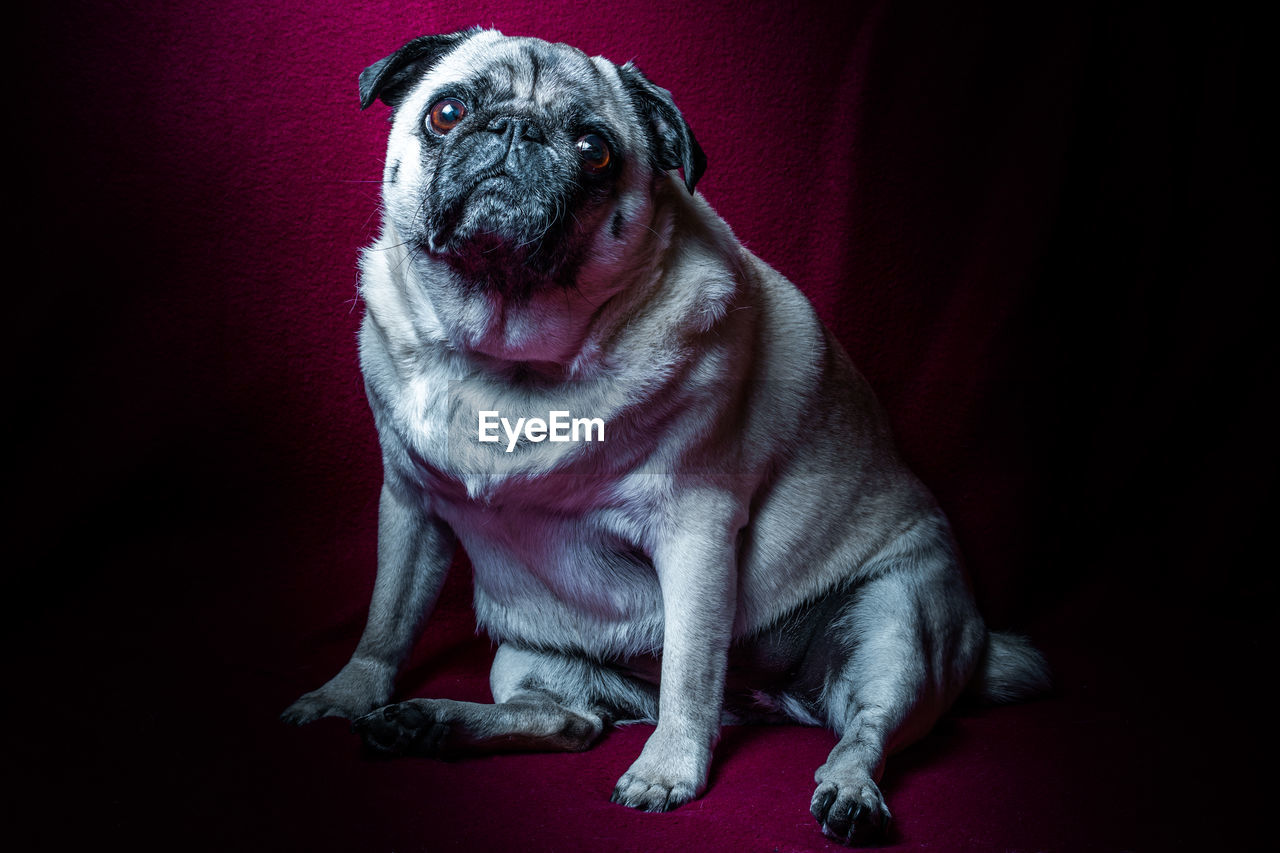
x: 664, y: 777
x: 653, y: 793
x: 309, y: 708
x: 405, y: 728
x: 355, y: 691
x: 852, y: 812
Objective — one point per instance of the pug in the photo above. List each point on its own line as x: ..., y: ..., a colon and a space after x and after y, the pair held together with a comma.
x: 738, y: 539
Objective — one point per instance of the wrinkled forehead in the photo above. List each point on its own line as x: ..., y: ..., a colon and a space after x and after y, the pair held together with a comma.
x: 520, y: 72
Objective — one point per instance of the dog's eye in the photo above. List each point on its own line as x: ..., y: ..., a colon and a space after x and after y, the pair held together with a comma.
x: 594, y: 153
x: 445, y: 115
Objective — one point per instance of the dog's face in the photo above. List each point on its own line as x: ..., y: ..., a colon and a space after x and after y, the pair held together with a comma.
x: 516, y: 162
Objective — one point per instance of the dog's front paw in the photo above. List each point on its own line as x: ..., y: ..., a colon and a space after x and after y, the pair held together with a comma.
x: 357, y: 689
x: 405, y: 728
x: 309, y: 708
x: 851, y: 812
x: 666, y: 775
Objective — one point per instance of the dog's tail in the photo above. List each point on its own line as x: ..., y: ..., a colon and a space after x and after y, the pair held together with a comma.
x: 1010, y: 669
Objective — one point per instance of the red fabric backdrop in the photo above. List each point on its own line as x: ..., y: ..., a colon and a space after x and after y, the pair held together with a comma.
x: 1038, y: 232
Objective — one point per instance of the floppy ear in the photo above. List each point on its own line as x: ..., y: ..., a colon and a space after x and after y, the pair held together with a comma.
x: 675, y: 147
x: 390, y: 78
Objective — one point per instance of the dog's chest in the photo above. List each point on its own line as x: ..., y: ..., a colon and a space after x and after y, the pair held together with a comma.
x: 550, y: 533
x: 555, y: 579
x: 489, y: 441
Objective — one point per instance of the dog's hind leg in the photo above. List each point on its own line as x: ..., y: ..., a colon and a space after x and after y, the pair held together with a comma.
x: 899, y: 652
x: 542, y: 702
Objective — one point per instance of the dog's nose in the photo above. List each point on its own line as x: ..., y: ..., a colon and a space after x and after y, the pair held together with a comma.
x: 518, y: 128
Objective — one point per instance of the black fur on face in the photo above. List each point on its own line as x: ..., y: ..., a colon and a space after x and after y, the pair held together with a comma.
x: 509, y: 204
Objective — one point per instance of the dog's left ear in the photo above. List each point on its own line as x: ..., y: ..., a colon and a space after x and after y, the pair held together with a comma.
x: 675, y: 146
x: 391, y: 78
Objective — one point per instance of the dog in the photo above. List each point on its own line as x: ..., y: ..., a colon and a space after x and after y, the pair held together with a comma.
x: 733, y: 536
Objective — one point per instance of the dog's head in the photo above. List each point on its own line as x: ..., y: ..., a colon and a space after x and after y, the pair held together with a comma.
x: 516, y: 161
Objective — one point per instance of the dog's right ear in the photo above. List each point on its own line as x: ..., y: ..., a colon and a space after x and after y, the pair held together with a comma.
x: 390, y: 78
